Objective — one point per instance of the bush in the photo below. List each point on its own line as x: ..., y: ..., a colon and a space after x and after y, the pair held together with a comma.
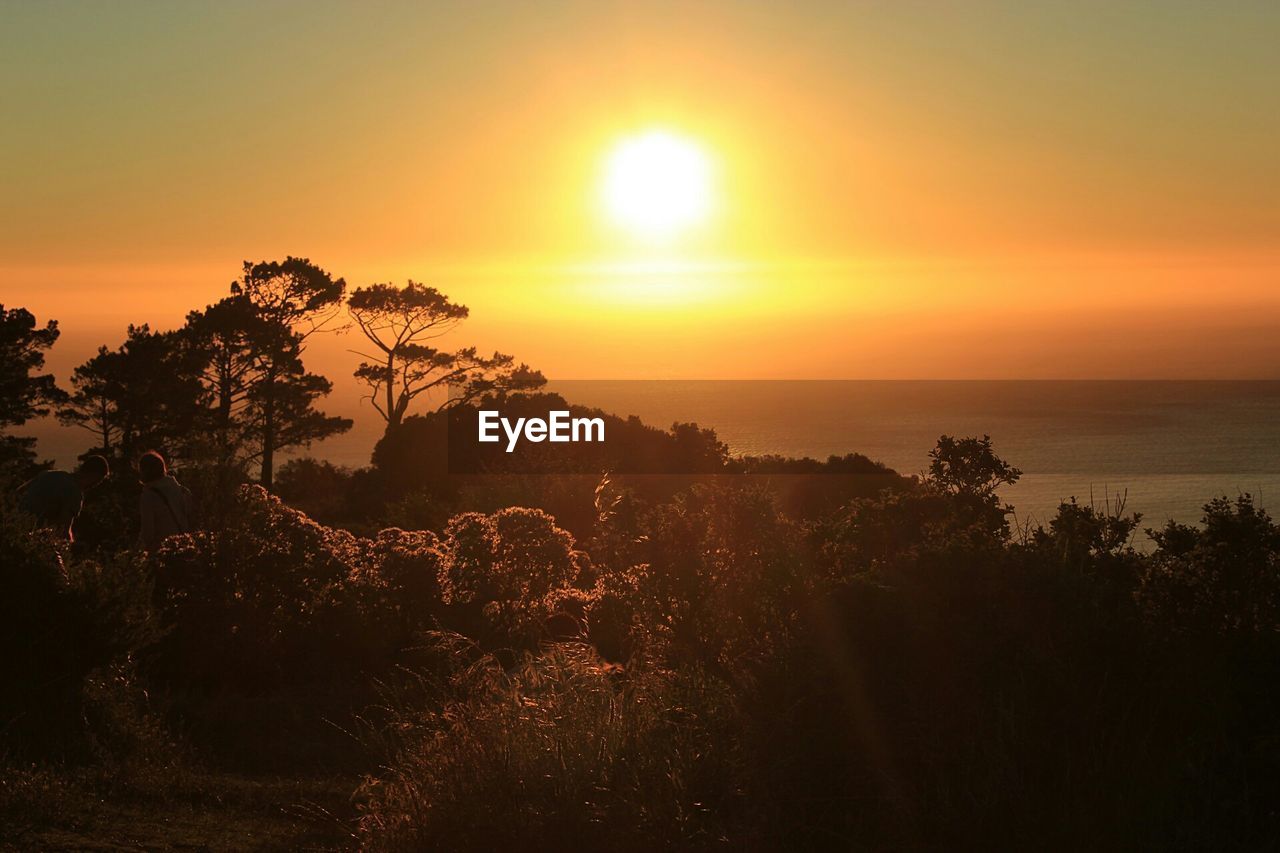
x: 259, y: 603
x: 716, y: 574
x: 560, y: 753
x: 505, y: 574
x: 902, y: 673
x: 67, y: 627
x: 1223, y: 579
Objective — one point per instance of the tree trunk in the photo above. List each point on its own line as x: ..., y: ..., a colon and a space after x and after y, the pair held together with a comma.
x: 106, y: 430
x: 226, y: 392
x: 393, y: 417
x: 268, y: 434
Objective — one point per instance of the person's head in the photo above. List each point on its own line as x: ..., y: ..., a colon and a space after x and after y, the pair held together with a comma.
x: 151, y: 467
x: 92, y: 471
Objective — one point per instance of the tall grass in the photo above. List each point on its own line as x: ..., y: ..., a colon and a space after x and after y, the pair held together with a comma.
x: 560, y: 751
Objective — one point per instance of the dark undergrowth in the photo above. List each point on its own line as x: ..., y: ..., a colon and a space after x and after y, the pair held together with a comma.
x: 705, y: 669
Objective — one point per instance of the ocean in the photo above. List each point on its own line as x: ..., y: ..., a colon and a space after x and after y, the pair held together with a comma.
x: 1164, y: 447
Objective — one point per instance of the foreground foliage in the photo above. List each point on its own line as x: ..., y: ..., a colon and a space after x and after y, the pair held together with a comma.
x: 707, y: 670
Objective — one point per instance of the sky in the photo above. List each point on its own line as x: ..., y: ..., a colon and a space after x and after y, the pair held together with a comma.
x: 897, y: 190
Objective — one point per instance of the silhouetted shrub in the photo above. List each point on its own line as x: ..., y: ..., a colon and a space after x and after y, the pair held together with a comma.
x: 809, y: 489
x: 506, y: 572
x: 1224, y: 578
x: 320, y: 489
x: 715, y: 573
x: 903, y: 672
x: 258, y: 603
x: 64, y: 623
x: 560, y: 753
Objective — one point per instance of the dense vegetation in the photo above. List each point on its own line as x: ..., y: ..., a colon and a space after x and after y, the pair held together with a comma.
x: 752, y: 654
x: 702, y: 671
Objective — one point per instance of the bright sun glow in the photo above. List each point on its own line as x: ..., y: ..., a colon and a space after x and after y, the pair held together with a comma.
x: 657, y: 184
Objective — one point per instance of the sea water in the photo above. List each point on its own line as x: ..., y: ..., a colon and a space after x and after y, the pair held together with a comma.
x: 1165, y: 447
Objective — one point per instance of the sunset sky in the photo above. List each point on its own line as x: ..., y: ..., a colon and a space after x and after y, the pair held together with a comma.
x: 943, y: 190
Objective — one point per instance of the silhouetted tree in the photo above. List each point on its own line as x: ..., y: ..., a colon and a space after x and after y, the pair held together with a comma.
x: 294, y: 293
x: 969, y: 466
x: 261, y: 396
x: 94, y: 404
x: 1221, y: 578
x: 1081, y: 534
x: 399, y: 322
x: 970, y: 472
x: 292, y: 300
x: 282, y: 414
x: 23, y: 394
x: 697, y: 450
x: 144, y: 394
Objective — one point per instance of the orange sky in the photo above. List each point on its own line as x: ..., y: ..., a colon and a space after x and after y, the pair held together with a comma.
x: 901, y: 190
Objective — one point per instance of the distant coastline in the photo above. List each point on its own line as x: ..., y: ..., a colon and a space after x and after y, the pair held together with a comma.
x: 1170, y: 443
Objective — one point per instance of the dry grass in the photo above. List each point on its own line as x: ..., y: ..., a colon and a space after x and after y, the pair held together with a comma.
x: 559, y: 751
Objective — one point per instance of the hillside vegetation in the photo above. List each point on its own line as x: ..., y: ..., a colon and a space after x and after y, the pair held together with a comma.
x: 704, y: 669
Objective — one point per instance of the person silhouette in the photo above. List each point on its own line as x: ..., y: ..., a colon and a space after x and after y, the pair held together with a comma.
x: 55, y: 498
x: 165, y: 505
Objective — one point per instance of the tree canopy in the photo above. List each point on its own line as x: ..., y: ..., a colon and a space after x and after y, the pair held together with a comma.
x: 260, y: 396
x: 24, y: 392
x: 399, y: 322
x: 143, y: 395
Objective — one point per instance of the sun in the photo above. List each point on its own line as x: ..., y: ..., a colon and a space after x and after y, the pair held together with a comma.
x: 657, y: 184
